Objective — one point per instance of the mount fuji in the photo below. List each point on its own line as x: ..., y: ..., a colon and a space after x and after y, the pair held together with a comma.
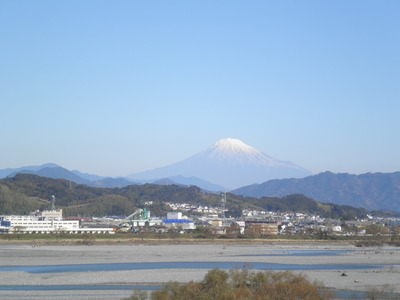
x: 229, y: 163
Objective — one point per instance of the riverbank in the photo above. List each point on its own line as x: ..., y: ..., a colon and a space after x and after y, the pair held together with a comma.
x: 244, y: 253
x: 124, y: 240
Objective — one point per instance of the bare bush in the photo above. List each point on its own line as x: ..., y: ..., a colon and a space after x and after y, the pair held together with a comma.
x: 243, y: 284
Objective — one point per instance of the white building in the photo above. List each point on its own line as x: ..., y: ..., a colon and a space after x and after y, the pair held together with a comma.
x: 47, y: 223
x: 50, y: 214
x: 174, y: 215
x: 35, y: 224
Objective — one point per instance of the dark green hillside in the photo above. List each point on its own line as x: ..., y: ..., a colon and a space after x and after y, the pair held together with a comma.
x: 14, y: 202
x: 66, y: 192
x: 25, y: 193
x: 379, y: 191
x: 302, y: 204
x: 23, y: 190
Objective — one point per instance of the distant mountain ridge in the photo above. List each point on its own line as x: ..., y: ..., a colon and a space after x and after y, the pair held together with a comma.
x: 9, y: 171
x: 54, y: 171
x: 229, y: 163
x: 87, y: 176
x: 371, y: 190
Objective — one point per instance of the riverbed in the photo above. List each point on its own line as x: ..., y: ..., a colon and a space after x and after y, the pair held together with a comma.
x: 112, y: 271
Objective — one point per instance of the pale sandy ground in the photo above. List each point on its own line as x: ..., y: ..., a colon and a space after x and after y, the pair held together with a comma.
x: 386, y: 279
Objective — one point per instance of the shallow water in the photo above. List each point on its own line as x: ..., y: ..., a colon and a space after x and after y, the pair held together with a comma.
x: 181, y: 265
x: 303, y: 253
x: 78, y: 287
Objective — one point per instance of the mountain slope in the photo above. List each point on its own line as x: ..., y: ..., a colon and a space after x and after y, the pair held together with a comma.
x: 371, y: 190
x: 229, y: 163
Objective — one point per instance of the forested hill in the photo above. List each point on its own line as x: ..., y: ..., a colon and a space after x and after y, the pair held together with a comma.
x: 379, y: 191
x: 25, y: 193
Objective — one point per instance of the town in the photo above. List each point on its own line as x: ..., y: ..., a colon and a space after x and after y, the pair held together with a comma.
x: 184, y: 218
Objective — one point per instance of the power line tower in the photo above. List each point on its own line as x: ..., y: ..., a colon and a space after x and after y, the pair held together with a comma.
x: 53, y: 203
x: 223, y: 202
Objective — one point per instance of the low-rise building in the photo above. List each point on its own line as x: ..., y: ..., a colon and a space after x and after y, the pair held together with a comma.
x: 261, y: 227
x: 179, y: 224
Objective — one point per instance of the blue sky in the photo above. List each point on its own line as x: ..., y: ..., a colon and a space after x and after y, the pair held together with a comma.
x: 117, y: 87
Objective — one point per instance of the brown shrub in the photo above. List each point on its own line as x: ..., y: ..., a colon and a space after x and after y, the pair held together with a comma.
x: 243, y: 284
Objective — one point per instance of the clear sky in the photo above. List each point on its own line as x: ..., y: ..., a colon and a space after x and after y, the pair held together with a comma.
x: 117, y: 87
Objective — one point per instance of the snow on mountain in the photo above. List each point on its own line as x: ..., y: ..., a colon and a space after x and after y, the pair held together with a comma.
x: 229, y: 163
x: 238, y: 152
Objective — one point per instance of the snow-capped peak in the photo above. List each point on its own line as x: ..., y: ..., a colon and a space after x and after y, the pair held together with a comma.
x: 237, y: 151
x: 232, y: 145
